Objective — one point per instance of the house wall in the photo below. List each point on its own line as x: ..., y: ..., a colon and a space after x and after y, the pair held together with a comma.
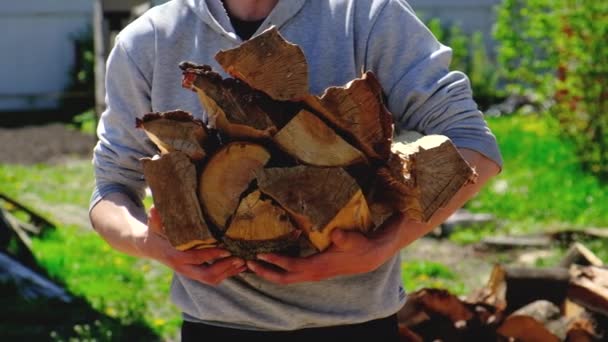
x: 36, y: 50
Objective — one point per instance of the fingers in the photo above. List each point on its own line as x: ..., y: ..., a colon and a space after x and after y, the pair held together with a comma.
x: 215, y: 273
x: 275, y: 276
x: 198, y: 256
x: 284, y: 262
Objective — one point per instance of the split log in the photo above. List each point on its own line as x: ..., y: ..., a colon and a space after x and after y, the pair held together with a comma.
x: 176, y: 200
x: 589, y: 288
x: 259, y: 226
x: 436, y: 314
x: 510, y: 288
x: 358, y: 109
x: 580, y: 255
x: 232, y: 107
x: 310, y: 140
x: 270, y: 64
x: 228, y: 173
x: 525, y: 329
x: 175, y: 131
x: 432, y: 168
x: 319, y: 200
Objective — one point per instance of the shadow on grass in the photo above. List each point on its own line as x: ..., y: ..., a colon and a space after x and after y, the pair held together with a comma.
x: 52, y: 319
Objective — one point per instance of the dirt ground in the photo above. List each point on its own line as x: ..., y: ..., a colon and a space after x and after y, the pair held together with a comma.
x: 52, y: 143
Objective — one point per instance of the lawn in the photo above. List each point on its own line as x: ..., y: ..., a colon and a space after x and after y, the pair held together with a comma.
x: 541, y: 187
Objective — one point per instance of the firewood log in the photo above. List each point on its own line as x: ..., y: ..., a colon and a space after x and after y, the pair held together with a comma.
x: 232, y: 106
x: 358, y: 110
x: 310, y: 140
x: 172, y: 180
x: 259, y: 226
x: 269, y: 63
x: 319, y: 200
x: 175, y: 131
x: 226, y: 176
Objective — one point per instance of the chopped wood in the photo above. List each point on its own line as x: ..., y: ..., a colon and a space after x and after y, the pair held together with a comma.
x: 176, y: 200
x: 310, y: 140
x: 542, y: 311
x: 589, y: 288
x: 232, y: 106
x: 433, y: 167
x: 259, y: 226
x: 358, y: 109
x: 525, y: 285
x: 525, y: 329
x: 225, y: 178
x: 175, y: 131
x: 495, y: 291
x: 318, y: 199
x: 227, y: 175
x: 269, y: 63
x: 580, y: 255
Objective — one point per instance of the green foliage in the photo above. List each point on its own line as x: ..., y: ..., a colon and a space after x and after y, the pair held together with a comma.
x: 556, y: 50
x: 420, y: 274
x: 542, y: 182
x: 86, y: 122
x: 470, y: 55
x: 79, y: 94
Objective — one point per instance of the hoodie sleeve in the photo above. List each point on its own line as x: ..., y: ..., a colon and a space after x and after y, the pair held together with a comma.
x: 120, y: 145
x: 423, y: 94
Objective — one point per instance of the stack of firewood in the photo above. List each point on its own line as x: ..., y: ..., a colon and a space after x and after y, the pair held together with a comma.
x: 564, y: 303
x: 277, y: 169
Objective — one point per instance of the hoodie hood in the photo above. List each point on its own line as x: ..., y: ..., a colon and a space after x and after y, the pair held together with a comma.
x: 213, y: 13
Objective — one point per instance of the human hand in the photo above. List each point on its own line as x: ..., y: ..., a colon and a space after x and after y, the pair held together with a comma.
x: 208, y: 265
x: 350, y: 253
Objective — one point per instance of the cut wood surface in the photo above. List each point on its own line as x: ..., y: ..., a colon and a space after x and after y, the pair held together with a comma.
x: 358, y: 109
x: 437, y: 168
x: 259, y: 226
x: 310, y: 140
x: 226, y: 176
x: 525, y: 329
x: 589, y: 288
x: 230, y: 104
x: 175, y: 131
x: 176, y: 200
x: 580, y: 255
x: 315, y: 198
x: 267, y: 62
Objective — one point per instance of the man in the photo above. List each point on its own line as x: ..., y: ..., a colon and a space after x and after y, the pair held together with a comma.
x: 324, y: 295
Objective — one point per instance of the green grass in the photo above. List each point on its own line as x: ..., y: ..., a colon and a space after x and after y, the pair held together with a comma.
x: 420, y: 274
x: 541, y: 186
x: 128, y: 291
x: 62, y: 184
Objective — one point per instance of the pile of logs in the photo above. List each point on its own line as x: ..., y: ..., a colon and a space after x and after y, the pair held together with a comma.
x: 275, y: 168
x: 564, y: 303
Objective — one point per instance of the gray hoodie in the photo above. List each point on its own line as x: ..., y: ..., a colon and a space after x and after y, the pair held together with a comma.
x: 340, y: 38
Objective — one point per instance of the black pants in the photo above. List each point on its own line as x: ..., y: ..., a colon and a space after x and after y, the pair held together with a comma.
x: 385, y: 329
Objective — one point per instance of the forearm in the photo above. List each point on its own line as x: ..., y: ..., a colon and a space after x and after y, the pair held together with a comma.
x: 120, y: 222
x: 401, y: 232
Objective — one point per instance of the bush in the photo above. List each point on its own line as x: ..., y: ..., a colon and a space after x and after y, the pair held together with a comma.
x: 556, y: 51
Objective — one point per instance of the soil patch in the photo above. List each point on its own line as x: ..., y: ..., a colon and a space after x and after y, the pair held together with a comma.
x: 52, y: 144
